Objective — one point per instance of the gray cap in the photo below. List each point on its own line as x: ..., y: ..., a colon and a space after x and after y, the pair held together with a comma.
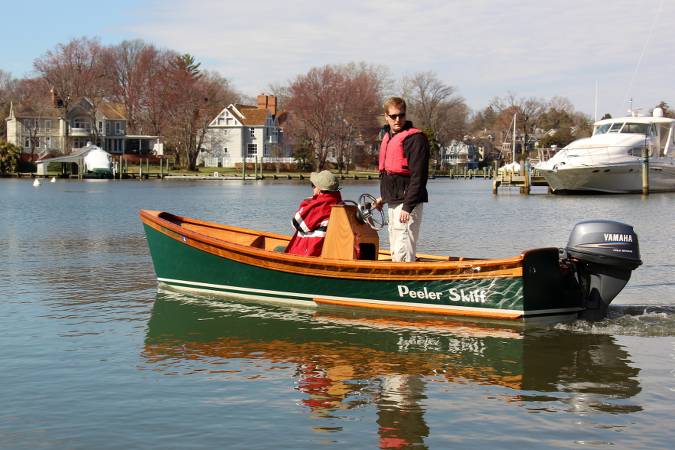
x: 325, y: 180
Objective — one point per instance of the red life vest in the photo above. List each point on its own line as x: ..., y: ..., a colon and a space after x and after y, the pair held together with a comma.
x: 392, y: 155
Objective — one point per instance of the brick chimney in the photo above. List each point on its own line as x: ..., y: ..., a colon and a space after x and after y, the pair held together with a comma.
x: 268, y: 102
x: 57, y: 102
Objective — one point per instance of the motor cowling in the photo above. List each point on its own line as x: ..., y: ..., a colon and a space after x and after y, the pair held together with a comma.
x: 603, y: 254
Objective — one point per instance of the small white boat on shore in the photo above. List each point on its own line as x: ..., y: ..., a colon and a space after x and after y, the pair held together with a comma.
x: 611, y: 160
x: 513, y: 167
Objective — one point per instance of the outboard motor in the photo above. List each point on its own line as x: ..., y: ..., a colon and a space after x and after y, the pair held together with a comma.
x: 602, y: 254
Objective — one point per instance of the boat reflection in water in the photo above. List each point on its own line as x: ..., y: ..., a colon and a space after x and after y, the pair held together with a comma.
x: 342, y: 360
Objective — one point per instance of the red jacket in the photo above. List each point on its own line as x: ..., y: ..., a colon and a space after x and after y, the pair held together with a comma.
x: 311, y: 222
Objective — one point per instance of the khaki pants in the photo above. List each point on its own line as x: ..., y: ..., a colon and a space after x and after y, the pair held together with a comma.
x: 403, y: 236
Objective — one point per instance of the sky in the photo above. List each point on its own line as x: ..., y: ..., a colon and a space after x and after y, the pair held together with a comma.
x: 612, y: 50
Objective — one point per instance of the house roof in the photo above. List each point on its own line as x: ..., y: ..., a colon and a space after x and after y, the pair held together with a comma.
x: 250, y: 115
x: 73, y: 157
x: 26, y: 111
x: 107, y: 109
x: 110, y: 110
x: 113, y: 111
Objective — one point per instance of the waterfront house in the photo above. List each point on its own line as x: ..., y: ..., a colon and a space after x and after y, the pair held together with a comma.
x: 48, y: 129
x: 456, y: 154
x: 243, y: 133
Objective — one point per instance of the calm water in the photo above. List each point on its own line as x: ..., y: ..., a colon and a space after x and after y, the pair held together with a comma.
x: 93, y: 357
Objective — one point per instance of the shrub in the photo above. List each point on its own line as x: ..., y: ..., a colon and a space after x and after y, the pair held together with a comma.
x: 9, y: 158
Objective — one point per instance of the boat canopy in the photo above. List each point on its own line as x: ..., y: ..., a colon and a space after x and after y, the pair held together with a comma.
x: 626, y: 127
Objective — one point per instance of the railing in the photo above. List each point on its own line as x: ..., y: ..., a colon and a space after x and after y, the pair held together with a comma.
x: 80, y: 131
x: 272, y: 159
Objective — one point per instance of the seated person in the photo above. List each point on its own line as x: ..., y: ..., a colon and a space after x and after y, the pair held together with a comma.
x: 311, y: 220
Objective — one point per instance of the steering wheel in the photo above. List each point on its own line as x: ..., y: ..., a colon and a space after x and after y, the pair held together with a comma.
x: 367, y: 213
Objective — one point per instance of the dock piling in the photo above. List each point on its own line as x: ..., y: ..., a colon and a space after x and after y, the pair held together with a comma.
x: 525, y: 170
x: 645, y: 171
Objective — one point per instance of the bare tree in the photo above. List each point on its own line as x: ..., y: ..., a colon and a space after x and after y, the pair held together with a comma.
x: 74, y: 70
x: 435, y: 108
x: 217, y: 93
x: 131, y: 66
x: 425, y: 95
x: 334, y: 109
x: 281, y: 92
x: 182, y: 104
x: 312, y: 103
x: 529, y: 113
x: 34, y: 101
x: 155, y: 100
x: 193, y: 98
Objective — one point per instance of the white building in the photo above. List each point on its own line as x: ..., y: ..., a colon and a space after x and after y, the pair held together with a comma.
x: 47, y: 129
x: 460, y: 153
x: 244, y: 131
x: 456, y: 154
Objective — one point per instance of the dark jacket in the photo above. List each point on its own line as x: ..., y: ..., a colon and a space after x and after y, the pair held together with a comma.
x: 409, y: 190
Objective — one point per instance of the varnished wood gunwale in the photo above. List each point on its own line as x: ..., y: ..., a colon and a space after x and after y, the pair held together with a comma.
x: 373, y: 270
x: 422, y: 308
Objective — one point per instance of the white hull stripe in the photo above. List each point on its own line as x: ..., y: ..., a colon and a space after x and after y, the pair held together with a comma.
x: 267, y: 299
x: 310, y: 297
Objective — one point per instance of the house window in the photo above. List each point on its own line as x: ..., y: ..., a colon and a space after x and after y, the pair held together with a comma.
x: 116, y: 145
x: 228, y: 121
x: 30, y: 123
x: 100, y: 126
x: 48, y: 142
x: 118, y: 128
x: 80, y: 123
x: 48, y: 125
x: 252, y: 150
x: 224, y: 151
x: 252, y: 133
x: 221, y: 121
x: 273, y: 136
x: 26, y: 142
x: 108, y: 128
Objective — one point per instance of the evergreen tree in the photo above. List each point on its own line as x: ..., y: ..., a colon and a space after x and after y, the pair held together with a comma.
x: 9, y: 158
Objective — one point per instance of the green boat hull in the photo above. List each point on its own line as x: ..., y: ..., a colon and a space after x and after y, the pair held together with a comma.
x: 182, y: 266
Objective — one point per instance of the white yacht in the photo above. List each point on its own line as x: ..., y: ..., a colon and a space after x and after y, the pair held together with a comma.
x: 611, y: 160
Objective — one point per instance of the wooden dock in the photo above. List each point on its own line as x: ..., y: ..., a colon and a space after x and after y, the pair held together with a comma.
x: 522, y: 181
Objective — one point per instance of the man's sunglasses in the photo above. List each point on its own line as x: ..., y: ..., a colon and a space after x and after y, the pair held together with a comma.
x: 396, y: 116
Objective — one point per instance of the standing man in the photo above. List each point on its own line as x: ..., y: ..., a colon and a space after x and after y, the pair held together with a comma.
x: 404, y: 170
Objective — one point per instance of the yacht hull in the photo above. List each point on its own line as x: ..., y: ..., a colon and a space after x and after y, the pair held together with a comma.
x: 625, y: 178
